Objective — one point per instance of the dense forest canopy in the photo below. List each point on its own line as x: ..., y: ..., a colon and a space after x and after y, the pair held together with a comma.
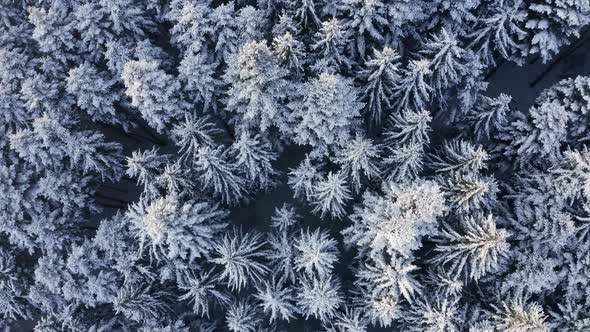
x: 139, y: 137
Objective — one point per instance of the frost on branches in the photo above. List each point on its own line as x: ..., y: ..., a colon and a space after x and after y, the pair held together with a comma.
x: 294, y: 165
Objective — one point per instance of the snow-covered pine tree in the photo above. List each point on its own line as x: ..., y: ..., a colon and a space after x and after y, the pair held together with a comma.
x: 289, y: 51
x: 490, y: 115
x: 200, y: 80
x: 405, y: 140
x: 218, y: 175
x: 319, y: 297
x: 303, y: 179
x: 359, y: 160
x: 94, y: 95
x: 156, y: 94
x: 253, y: 157
x: 193, y: 133
x: 175, y: 229
x: 500, y: 32
x: 447, y: 61
x: 395, y: 222
x: 477, y: 248
x: 328, y: 47
x: 50, y: 145
x: 276, y: 300
x: 536, y: 135
x: 413, y: 91
x: 381, y: 73
x: 326, y: 114
x: 258, y: 89
x: 330, y: 196
x: 365, y: 21
x: 316, y: 253
x: 554, y: 23
x: 240, y: 256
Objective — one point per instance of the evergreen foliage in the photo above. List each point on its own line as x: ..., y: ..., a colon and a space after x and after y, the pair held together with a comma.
x: 287, y: 165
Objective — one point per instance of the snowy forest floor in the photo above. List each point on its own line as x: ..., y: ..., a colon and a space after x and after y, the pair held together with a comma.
x: 523, y: 83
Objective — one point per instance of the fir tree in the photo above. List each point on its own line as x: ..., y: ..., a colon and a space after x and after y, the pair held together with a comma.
x: 316, y: 252
x: 553, y: 23
x: 501, y: 31
x: 93, y: 94
x: 366, y: 21
x: 277, y: 300
x: 329, y: 48
x: 303, y: 179
x: 239, y: 255
x: 330, y: 196
x: 413, y: 91
x: 176, y: 230
x: 253, y: 157
x: 381, y: 75
x: 476, y: 248
x: 200, y: 289
x: 219, y: 176
x: 491, y: 114
x: 446, y: 59
x: 258, y: 88
x: 327, y: 113
x: 242, y: 317
x: 155, y: 93
x: 359, y: 160
x: 319, y: 298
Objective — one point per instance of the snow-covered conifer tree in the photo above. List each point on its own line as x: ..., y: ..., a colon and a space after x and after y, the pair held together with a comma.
x: 316, y: 253
x: 516, y: 314
x: 471, y: 191
x: 381, y: 74
x: 303, y: 179
x: 276, y: 300
x: 193, y: 133
x: 413, y: 91
x: 49, y: 144
x: 490, y: 114
x: 476, y: 248
x: 330, y: 195
x: 155, y: 93
x: 554, y: 23
x: 289, y: 51
x: 447, y: 60
x: 459, y: 157
x: 219, y: 176
x: 240, y: 256
x: 538, y: 133
x: 319, y: 297
x: 202, y: 291
x: 191, y: 25
x: 242, y: 317
x: 54, y: 29
x: 258, y: 88
x: 253, y: 156
x: 328, y: 48
x: 395, y: 222
x: 501, y: 31
x: 327, y: 114
x: 365, y: 21
x: 93, y: 92
x: 200, y: 80
x: 359, y: 159
x: 406, y: 137
x: 306, y: 12
x: 175, y: 229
